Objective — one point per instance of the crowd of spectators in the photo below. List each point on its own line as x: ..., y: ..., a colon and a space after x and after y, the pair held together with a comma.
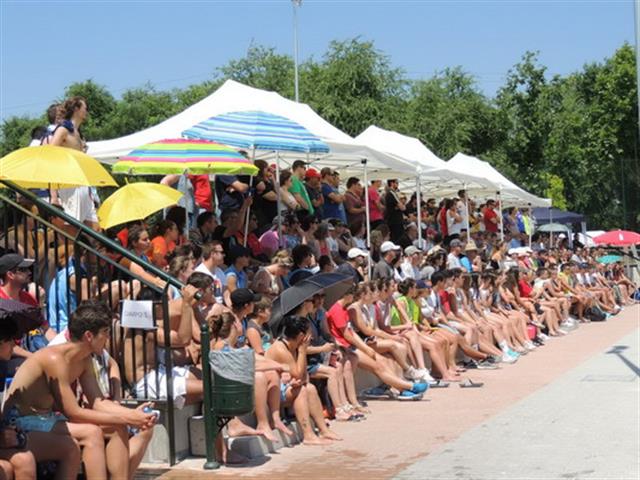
x: 433, y: 297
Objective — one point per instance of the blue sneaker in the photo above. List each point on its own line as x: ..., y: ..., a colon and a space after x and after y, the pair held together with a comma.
x: 513, y: 353
x: 419, y: 387
x: 409, y: 395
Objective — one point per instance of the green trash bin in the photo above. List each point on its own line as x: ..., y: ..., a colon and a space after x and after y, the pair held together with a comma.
x: 231, y: 398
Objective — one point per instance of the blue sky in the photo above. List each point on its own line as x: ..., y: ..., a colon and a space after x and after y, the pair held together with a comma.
x: 44, y: 46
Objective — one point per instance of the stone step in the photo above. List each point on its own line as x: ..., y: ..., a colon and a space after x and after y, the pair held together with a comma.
x: 253, y: 446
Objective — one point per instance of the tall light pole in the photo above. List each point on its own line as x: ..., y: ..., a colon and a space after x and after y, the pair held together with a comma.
x: 295, y: 4
x: 636, y: 4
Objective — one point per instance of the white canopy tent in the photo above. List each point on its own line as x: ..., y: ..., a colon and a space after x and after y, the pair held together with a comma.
x: 432, y: 170
x: 346, y: 154
x: 510, y: 193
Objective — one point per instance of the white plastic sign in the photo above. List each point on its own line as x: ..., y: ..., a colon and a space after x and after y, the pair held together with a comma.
x: 137, y: 314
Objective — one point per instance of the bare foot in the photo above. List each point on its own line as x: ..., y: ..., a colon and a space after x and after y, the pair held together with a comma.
x: 266, y: 433
x: 279, y: 425
x: 239, y: 429
x: 330, y: 435
x: 316, y: 441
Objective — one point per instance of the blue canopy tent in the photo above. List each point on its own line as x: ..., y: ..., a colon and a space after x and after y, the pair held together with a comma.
x: 555, y: 215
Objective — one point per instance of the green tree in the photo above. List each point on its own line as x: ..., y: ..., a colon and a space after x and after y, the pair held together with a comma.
x: 354, y: 86
x: 449, y: 114
x: 262, y: 68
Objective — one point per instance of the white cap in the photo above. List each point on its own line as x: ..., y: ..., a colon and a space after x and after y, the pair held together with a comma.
x: 388, y: 246
x: 356, y: 252
x: 562, y: 235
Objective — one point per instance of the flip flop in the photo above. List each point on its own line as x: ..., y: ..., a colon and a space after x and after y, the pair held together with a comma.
x: 470, y: 384
x: 438, y: 384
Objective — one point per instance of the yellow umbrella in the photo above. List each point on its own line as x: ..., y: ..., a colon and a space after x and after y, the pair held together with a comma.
x: 135, y: 202
x: 49, y: 166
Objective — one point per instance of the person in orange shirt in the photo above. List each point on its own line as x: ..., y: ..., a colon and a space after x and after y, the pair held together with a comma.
x: 163, y: 243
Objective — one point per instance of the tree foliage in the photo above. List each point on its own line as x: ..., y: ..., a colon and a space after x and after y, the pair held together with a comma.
x: 572, y: 138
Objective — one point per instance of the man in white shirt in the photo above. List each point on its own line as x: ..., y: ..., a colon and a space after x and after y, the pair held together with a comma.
x: 212, y: 260
x: 409, y: 266
x: 453, y: 259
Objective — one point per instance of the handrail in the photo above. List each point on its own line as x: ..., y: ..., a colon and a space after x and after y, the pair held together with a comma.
x: 116, y: 247
x: 84, y: 245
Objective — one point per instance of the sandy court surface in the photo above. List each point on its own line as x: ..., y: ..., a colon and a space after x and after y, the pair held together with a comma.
x: 396, y: 435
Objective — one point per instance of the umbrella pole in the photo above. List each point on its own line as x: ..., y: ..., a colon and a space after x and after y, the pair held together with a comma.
x: 367, y: 214
x: 500, y: 218
x: 280, y: 242
x: 418, y: 206
x: 246, y: 220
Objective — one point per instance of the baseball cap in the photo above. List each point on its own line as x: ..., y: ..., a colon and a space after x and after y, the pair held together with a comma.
x: 388, y: 246
x: 410, y: 250
x: 562, y: 235
x: 356, y: 252
x: 455, y: 243
x: 242, y: 296
x: 312, y: 173
x: 11, y: 261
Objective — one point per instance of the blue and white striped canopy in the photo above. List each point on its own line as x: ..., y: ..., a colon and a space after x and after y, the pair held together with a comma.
x: 259, y: 130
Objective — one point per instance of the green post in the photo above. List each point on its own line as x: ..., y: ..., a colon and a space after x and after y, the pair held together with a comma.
x: 210, y: 430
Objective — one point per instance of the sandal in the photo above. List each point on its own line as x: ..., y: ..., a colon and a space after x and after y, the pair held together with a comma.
x: 470, y: 384
x: 438, y: 384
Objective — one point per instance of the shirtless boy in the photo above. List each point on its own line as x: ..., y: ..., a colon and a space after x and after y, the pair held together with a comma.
x: 42, y: 401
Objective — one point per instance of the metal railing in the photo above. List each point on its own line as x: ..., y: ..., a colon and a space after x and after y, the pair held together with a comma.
x: 63, y: 248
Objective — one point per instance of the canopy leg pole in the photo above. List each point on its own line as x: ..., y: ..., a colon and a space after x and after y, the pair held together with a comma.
x: 418, y: 206
x: 280, y: 239
x: 246, y: 220
x: 500, y: 218
x: 551, y: 229
x: 529, y: 224
x: 466, y: 206
x: 367, y: 214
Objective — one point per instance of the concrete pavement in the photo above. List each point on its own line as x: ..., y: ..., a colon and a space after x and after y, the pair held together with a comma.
x: 401, y: 439
x: 585, y: 425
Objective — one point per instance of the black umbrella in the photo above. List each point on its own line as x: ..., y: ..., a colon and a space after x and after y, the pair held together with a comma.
x: 24, y: 317
x: 333, y: 285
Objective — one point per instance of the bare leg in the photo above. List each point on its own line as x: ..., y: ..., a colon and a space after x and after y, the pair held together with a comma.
x: 117, y: 452
x: 315, y: 411
x: 413, y: 337
x: 137, y: 447
x: 298, y: 396
x: 91, y: 440
x: 334, y: 378
x: 350, y: 365
x: 262, y: 415
x: 273, y: 401
x: 60, y: 447
x: 20, y: 465
x: 378, y: 369
x: 398, y: 350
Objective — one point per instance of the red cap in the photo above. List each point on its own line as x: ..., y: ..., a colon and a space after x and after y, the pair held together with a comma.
x: 312, y: 173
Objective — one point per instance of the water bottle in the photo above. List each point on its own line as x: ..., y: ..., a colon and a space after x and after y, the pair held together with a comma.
x: 146, y: 409
x: 217, y: 291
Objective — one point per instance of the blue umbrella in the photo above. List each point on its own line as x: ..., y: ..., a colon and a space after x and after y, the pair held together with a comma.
x: 257, y: 130
x: 607, y: 259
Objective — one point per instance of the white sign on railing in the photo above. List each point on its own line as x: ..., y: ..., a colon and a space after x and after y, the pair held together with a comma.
x: 137, y: 314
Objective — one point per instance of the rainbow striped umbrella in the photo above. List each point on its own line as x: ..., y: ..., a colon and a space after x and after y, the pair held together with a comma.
x: 179, y: 156
x: 257, y: 130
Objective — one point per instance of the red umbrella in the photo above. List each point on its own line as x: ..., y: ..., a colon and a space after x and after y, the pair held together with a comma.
x: 618, y: 237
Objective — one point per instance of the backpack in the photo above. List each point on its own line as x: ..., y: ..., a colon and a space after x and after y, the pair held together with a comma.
x: 595, y: 314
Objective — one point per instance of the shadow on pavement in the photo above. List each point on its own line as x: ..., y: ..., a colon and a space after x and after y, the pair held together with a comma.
x: 617, y: 350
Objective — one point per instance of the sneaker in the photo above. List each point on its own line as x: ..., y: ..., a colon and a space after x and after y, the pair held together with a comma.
x: 543, y: 337
x: 409, y: 395
x: 426, y: 376
x: 530, y: 346
x: 420, y: 387
x: 412, y: 374
x: 486, y: 365
x: 470, y: 365
x: 506, y: 358
x: 513, y: 353
x: 495, y: 359
x: 563, y: 331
